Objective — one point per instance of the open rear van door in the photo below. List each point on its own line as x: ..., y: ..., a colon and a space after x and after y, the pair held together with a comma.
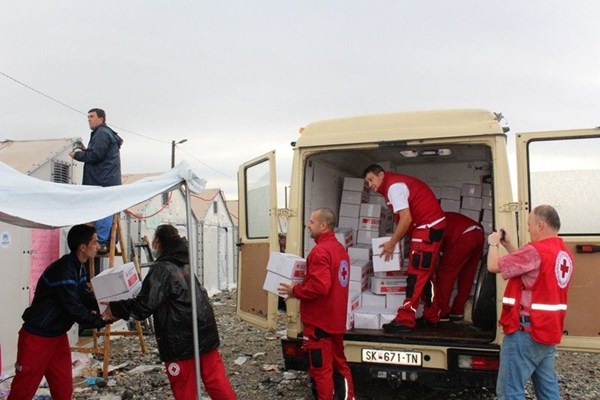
x: 257, y: 187
x: 562, y: 169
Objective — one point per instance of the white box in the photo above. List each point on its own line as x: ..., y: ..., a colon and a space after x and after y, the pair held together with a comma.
x: 487, y: 227
x: 486, y: 189
x: 451, y: 193
x: 345, y: 236
x: 391, y: 274
x: 393, y: 264
x: 394, y: 300
x: 360, y: 269
x: 471, y: 203
x: 349, y: 210
x: 474, y: 215
x: 354, y: 300
x: 353, y: 197
x: 366, y: 318
x: 359, y: 287
x: 370, y: 299
x: 273, y: 281
x: 488, y: 216
x: 355, y: 184
x: 386, y: 315
x: 487, y: 203
x: 288, y: 265
x: 370, y: 224
x: 365, y: 237
x: 471, y: 190
x: 348, y: 222
x: 378, y: 241
x: 450, y: 205
x: 117, y: 283
x: 371, y: 210
x: 437, y: 190
x: 360, y: 252
x: 376, y: 198
x: 388, y: 285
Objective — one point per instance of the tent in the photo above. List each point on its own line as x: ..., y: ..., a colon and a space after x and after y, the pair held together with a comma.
x: 33, y: 203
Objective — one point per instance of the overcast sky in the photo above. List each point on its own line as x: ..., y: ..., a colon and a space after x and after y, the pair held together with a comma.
x: 239, y: 78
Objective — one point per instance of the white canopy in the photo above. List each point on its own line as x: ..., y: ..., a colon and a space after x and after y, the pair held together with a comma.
x: 34, y: 203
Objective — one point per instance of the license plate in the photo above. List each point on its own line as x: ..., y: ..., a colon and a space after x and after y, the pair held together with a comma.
x: 411, y: 358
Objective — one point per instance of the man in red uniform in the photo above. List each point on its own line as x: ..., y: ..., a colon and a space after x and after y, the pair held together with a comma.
x: 461, y: 251
x: 534, y: 305
x: 419, y: 215
x: 323, y: 299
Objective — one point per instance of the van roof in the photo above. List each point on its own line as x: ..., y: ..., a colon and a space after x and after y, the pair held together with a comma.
x: 400, y: 126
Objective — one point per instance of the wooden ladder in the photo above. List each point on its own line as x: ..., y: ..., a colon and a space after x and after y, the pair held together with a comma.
x: 107, y: 331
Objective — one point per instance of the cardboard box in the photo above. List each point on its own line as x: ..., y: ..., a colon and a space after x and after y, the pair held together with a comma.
x: 288, y: 265
x: 488, y: 227
x: 378, y: 241
x: 117, y: 283
x: 370, y: 299
x: 394, y: 300
x: 345, y: 236
x: 360, y: 252
x: 371, y: 210
x: 474, y: 215
x: 393, y: 264
x: 365, y: 236
x: 376, y: 198
x: 451, y: 193
x: 353, y: 197
x: 471, y: 190
x: 349, y: 210
x: 388, y: 285
x: 391, y: 274
x: 355, y: 184
x: 273, y: 281
x: 353, y: 303
x: 348, y: 222
x: 437, y: 190
x: 370, y: 224
x: 359, y: 287
x: 450, y: 205
x: 366, y: 318
x: 486, y: 189
x: 487, y: 216
x: 487, y: 203
x: 471, y: 203
x: 385, y: 316
x: 360, y: 269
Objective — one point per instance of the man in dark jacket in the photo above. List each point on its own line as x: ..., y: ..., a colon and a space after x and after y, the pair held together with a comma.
x: 61, y: 298
x: 102, y: 164
x: 166, y: 295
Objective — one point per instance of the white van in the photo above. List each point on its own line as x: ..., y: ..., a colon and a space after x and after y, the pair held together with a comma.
x: 448, y: 148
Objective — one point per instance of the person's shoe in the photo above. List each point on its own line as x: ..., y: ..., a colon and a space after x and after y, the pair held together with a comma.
x: 102, y: 249
x: 456, y: 317
x: 444, y: 318
x: 396, y: 327
x: 422, y: 322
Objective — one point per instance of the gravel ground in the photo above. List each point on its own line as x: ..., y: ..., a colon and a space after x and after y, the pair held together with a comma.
x: 255, y: 368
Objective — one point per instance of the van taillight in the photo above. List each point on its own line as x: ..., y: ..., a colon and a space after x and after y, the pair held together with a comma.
x: 292, y: 348
x: 480, y: 363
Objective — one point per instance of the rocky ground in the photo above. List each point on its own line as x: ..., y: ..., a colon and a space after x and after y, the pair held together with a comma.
x: 255, y: 367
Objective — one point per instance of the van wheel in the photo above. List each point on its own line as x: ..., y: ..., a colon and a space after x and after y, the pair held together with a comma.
x: 484, y: 302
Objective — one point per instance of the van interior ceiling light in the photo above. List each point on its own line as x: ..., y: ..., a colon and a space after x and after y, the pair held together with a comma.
x: 426, y: 153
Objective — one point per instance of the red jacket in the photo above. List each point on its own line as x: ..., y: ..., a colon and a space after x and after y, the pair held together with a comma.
x: 324, y: 292
x: 424, y: 206
x: 548, y: 294
x: 456, y: 225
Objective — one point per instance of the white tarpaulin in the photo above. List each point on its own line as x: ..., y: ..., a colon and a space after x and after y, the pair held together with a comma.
x: 34, y: 203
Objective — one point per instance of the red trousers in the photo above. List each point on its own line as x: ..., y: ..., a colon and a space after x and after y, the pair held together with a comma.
x: 327, y: 366
x: 422, y: 260
x: 39, y: 356
x: 458, y: 264
x: 182, y: 377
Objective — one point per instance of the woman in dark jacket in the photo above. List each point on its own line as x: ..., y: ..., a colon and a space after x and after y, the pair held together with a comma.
x: 166, y: 295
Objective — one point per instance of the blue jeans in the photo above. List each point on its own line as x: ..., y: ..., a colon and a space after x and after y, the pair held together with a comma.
x: 103, y: 229
x: 522, y: 358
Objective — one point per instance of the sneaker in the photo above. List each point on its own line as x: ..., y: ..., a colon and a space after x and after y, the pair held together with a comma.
x: 103, y: 248
x: 456, y: 317
x: 422, y: 322
x: 396, y: 327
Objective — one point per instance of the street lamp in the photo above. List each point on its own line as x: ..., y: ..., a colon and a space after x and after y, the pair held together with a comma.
x: 173, y: 143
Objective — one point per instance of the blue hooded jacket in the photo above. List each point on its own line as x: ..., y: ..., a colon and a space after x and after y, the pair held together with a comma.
x: 102, y: 158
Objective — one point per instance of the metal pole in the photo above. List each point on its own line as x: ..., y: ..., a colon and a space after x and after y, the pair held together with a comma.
x: 173, y: 154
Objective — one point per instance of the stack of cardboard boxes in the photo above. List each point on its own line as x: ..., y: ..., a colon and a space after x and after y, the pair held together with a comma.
x: 283, y: 268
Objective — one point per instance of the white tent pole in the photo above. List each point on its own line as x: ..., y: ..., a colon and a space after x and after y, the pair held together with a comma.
x: 193, y: 261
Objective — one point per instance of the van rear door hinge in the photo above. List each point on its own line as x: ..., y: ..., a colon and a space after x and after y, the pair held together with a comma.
x: 512, y: 207
x: 286, y: 212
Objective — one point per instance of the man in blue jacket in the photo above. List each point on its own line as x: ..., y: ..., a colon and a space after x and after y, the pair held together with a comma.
x: 61, y: 298
x: 102, y: 166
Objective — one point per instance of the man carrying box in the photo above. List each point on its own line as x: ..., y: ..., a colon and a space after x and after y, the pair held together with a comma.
x: 323, y: 299
x: 61, y: 298
x: 419, y: 215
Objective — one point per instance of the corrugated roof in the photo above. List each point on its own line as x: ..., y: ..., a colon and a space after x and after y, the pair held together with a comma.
x: 28, y: 155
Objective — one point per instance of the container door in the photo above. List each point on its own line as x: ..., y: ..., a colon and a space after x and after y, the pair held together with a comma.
x: 257, y: 186
x: 562, y: 169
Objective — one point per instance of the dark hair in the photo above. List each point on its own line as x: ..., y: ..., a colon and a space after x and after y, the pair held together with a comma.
x: 328, y: 216
x: 168, y: 236
x: 373, y: 168
x: 80, y: 234
x: 99, y: 112
x: 549, y: 215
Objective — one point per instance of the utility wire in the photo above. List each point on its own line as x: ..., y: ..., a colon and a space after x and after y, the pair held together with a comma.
x: 118, y: 127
